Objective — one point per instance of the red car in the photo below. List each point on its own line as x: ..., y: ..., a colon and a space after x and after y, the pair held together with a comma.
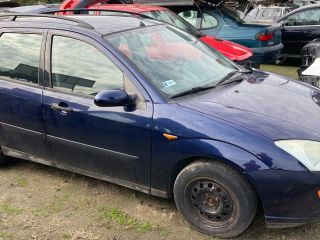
x: 233, y: 51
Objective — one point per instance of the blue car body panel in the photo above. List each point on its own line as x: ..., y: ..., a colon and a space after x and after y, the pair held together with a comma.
x: 236, y: 124
x: 22, y: 123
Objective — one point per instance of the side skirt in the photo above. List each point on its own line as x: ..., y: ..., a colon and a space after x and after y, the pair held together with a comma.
x: 18, y: 154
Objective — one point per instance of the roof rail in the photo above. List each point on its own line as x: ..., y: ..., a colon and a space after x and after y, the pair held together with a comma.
x: 97, y: 10
x: 13, y: 16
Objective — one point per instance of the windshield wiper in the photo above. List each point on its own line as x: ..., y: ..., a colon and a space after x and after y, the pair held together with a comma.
x: 229, y: 78
x: 192, y: 91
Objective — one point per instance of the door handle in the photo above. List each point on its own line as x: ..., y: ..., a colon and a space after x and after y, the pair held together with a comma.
x: 58, y: 107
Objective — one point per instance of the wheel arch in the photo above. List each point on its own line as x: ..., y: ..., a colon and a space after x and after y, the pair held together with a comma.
x: 183, y: 164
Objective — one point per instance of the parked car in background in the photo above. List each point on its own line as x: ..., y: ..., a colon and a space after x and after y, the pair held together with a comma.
x: 33, y: 8
x: 300, y: 27
x: 302, y: 3
x: 309, y: 71
x: 266, y: 14
x: 240, y: 54
x: 143, y: 104
x: 8, y: 4
x: 263, y: 39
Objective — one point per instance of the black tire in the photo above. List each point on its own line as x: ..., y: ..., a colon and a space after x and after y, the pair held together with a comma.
x: 215, y: 198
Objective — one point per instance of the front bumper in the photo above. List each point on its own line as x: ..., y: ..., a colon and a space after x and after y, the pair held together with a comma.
x: 288, y: 198
x: 265, y: 55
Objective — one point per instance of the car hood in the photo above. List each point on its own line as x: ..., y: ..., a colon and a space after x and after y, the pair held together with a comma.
x: 268, y: 104
x: 231, y: 50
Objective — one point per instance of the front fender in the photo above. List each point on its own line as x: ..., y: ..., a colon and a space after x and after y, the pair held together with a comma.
x: 170, y: 157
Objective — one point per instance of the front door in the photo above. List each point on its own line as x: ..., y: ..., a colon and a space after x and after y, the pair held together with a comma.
x: 111, y: 143
x: 22, y: 130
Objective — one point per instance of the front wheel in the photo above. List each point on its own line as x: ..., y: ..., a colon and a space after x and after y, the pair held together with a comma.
x: 215, y: 199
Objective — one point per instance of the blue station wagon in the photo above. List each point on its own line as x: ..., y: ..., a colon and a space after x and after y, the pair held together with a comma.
x: 142, y: 104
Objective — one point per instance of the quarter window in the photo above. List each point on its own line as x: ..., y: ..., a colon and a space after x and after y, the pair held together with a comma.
x: 19, y: 57
x: 81, y: 68
x: 194, y: 18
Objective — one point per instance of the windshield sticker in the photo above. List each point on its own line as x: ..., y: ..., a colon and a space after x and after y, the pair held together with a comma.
x: 169, y: 83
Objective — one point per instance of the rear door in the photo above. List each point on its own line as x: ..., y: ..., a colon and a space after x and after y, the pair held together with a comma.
x: 299, y: 29
x: 111, y: 143
x: 22, y: 131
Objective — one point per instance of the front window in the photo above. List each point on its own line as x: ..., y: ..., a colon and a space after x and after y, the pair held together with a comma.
x: 308, y: 17
x: 81, y: 68
x: 171, y: 59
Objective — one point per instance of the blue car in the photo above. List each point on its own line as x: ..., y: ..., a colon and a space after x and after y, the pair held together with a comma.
x: 263, y: 39
x: 143, y: 104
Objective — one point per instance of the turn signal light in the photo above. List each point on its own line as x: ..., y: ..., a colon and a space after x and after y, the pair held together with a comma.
x: 170, y: 137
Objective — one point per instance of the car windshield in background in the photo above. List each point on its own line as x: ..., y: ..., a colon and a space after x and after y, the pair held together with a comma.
x: 173, y: 60
x: 173, y: 19
x: 268, y: 14
x: 232, y: 14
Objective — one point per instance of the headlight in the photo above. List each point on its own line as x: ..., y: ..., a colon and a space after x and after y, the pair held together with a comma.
x: 307, y: 152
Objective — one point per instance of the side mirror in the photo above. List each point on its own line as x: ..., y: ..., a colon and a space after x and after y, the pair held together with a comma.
x: 114, y: 98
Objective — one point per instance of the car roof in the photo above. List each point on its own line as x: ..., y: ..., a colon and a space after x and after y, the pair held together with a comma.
x: 134, y: 8
x: 311, y: 6
x: 114, y: 23
x: 34, y: 8
x: 101, y: 24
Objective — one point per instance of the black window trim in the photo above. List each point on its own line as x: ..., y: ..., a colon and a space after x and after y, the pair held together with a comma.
x: 92, y: 42
x: 42, y: 32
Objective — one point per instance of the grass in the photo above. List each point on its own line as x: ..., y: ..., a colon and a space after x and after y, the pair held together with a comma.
x: 22, y: 182
x: 288, y: 71
x: 5, y: 236
x: 58, y: 204
x: 9, y: 209
x: 129, y: 222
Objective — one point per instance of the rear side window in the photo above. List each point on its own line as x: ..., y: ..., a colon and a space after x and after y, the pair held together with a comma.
x: 194, y: 18
x: 81, y: 68
x: 19, y: 57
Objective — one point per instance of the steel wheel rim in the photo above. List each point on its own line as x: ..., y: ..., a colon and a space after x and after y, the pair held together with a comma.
x: 210, y: 202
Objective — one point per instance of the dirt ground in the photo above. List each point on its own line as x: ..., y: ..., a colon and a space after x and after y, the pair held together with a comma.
x: 40, y: 202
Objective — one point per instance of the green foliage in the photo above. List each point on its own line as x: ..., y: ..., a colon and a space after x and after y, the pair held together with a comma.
x: 35, y: 2
x: 10, y: 209
x: 22, y: 182
x: 128, y: 222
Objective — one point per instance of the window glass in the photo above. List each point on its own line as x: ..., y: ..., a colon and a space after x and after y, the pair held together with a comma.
x: 174, y: 19
x: 308, y: 17
x: 173, y: 60
x: 209, y: 21
x: 19, y: 56
x: 194, y: 18
x: 81, y: 68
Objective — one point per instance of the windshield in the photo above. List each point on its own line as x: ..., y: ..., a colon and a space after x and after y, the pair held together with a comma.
x: 263, y: 14
x: 171, y: 59
x: 174, y: 19
x: 231, y: 13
